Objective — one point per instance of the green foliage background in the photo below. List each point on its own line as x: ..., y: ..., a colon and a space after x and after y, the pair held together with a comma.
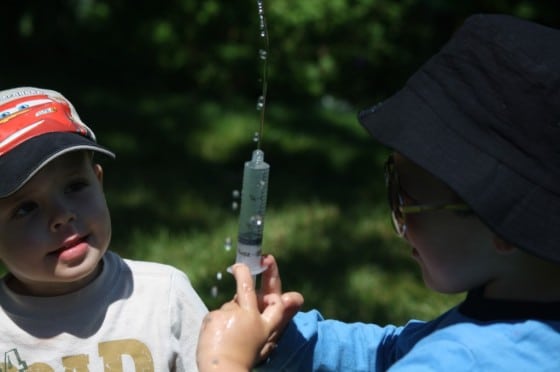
x: 172, y: 86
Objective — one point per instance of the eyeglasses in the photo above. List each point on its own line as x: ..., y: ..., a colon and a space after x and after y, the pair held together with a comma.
x: 397, y: 198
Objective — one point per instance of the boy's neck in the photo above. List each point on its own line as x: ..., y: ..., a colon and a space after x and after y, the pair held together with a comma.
x: 534, y: 280
x: 481, y: 308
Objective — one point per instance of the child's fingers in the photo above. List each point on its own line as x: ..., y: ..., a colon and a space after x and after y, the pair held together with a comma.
x: 246, y: 297
x: 292, y: 301
x: 280, y: 309
x: 270, y: 282
x: 273, y: 313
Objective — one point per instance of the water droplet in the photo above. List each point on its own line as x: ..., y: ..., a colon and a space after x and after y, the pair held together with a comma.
x: 234, y: 206
x: 256, y: 220
x: 262, y: 54
x: 260, y: 103
x: 227, y: 244
x: 256, y: 137
x: 235, y: 194
x: 214, y: 291
x: 219, y: 275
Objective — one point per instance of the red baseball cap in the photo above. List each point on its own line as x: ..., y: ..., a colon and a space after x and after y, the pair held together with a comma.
x: 37, y: 126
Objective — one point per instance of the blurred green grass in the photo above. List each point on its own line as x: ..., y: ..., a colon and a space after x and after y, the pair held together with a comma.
x: 170, y: 194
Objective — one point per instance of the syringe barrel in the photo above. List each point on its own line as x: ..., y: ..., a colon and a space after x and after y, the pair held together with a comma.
x: 252, y: 211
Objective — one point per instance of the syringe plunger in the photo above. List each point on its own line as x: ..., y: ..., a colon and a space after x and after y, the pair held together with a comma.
x: 252, y: 210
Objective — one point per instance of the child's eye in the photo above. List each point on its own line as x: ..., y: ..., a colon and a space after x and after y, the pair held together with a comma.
x: 24, y: 209
x: 76, y: 186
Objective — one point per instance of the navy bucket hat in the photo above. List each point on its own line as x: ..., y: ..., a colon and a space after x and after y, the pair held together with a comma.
x: 483, y: 115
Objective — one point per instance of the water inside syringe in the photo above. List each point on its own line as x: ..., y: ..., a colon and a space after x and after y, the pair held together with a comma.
x: 252, y: 211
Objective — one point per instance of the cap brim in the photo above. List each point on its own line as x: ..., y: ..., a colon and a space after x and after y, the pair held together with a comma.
x: 23, y: 162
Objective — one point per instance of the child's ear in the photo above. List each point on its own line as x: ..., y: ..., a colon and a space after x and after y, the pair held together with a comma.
x: 502, y: 246
x: 98, y: 170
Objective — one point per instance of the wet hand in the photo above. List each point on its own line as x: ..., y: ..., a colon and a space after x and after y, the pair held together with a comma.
x: 245, y: 330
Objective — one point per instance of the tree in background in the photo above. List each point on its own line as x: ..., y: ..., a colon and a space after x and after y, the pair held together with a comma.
x: 356, y: 50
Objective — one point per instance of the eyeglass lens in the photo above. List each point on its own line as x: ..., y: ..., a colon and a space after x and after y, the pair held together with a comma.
x: 394, y: 198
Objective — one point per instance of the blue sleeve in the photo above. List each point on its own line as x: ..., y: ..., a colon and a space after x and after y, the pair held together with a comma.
x: 311, y: 343
x: 450, y: 342
x: 440, y: 356
x: 462, y: 345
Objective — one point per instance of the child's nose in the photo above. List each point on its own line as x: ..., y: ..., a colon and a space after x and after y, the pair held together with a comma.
x: 61, y: 216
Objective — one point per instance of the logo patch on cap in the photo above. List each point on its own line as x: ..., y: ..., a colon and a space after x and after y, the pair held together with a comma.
x: 28, y: 116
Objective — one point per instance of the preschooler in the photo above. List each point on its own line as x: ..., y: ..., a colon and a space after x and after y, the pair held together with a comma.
x: 67, y: 302
x: 474, y: 188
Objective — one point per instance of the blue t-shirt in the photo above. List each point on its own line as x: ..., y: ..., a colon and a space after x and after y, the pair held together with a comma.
x: 478, y: 335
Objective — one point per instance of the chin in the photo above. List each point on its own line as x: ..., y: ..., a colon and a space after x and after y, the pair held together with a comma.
x: 79, y: 270
x: 438, y: 285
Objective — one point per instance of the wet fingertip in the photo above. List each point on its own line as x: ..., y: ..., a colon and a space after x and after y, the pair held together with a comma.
x: 230, y: 269
x: 292, y: 298
x: 267, y: 259
x: 236, y: 267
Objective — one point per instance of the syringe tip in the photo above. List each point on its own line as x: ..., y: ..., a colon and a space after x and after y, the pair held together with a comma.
x: 258, y: 156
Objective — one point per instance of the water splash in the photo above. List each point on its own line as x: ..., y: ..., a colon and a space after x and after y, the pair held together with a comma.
x: 263, y: 56
x: 256, y: 221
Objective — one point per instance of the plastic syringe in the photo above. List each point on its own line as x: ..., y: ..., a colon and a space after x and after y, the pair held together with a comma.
x: 251, y: 214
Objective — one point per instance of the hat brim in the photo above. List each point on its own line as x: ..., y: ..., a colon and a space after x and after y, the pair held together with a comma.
x: 523, y: 213
x: 24, y: 161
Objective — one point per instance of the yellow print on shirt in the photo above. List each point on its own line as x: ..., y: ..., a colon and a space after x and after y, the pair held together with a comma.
x: 111, y: 353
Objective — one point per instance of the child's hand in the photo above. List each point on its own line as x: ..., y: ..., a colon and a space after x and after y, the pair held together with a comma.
x: 245, y: 330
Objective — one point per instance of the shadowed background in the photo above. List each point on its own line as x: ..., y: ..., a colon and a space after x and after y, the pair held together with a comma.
x: 172, y: 87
